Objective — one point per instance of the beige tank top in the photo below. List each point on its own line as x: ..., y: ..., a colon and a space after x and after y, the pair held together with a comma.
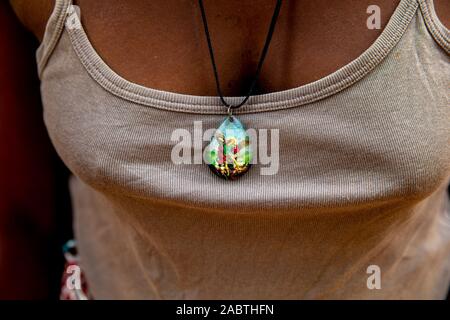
x: 357, y: 209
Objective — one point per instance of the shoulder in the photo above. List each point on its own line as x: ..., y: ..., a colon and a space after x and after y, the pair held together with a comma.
x: 33, y: 14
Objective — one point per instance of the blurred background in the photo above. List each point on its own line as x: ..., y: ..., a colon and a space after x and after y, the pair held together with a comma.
x: 35, y: 216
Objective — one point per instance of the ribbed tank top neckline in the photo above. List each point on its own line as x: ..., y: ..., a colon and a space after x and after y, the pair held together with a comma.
x: 66, y: 13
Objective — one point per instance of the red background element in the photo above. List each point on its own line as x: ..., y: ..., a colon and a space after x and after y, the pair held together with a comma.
x: 34, y: 203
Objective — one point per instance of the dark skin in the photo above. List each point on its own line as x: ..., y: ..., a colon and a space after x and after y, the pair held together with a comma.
x: 161, y: 44
x: 165, y: 48
x: 173, y: 54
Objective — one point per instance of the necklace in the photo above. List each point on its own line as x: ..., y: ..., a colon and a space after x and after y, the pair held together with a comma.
x: 229, y: 153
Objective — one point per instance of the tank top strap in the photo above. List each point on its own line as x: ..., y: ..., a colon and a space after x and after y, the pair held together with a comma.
x: 53, y: 30
x: 437, y: 30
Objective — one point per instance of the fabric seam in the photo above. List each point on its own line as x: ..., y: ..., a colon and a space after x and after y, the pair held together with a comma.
x: 327, y: 86
x: 59, y: 11
x: 439, y: 32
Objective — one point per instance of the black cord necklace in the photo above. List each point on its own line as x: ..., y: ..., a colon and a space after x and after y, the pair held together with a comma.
x: 229, y: 153
x: 261, y: 59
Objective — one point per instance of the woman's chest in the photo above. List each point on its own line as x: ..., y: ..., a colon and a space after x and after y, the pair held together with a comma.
x: 376, y: 130
x: 387, y: 137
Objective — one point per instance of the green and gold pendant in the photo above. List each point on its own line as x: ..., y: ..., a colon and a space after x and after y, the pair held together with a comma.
x: 229, y: 153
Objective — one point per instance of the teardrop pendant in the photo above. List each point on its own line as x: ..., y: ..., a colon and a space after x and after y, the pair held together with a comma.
x: 229, y: 153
